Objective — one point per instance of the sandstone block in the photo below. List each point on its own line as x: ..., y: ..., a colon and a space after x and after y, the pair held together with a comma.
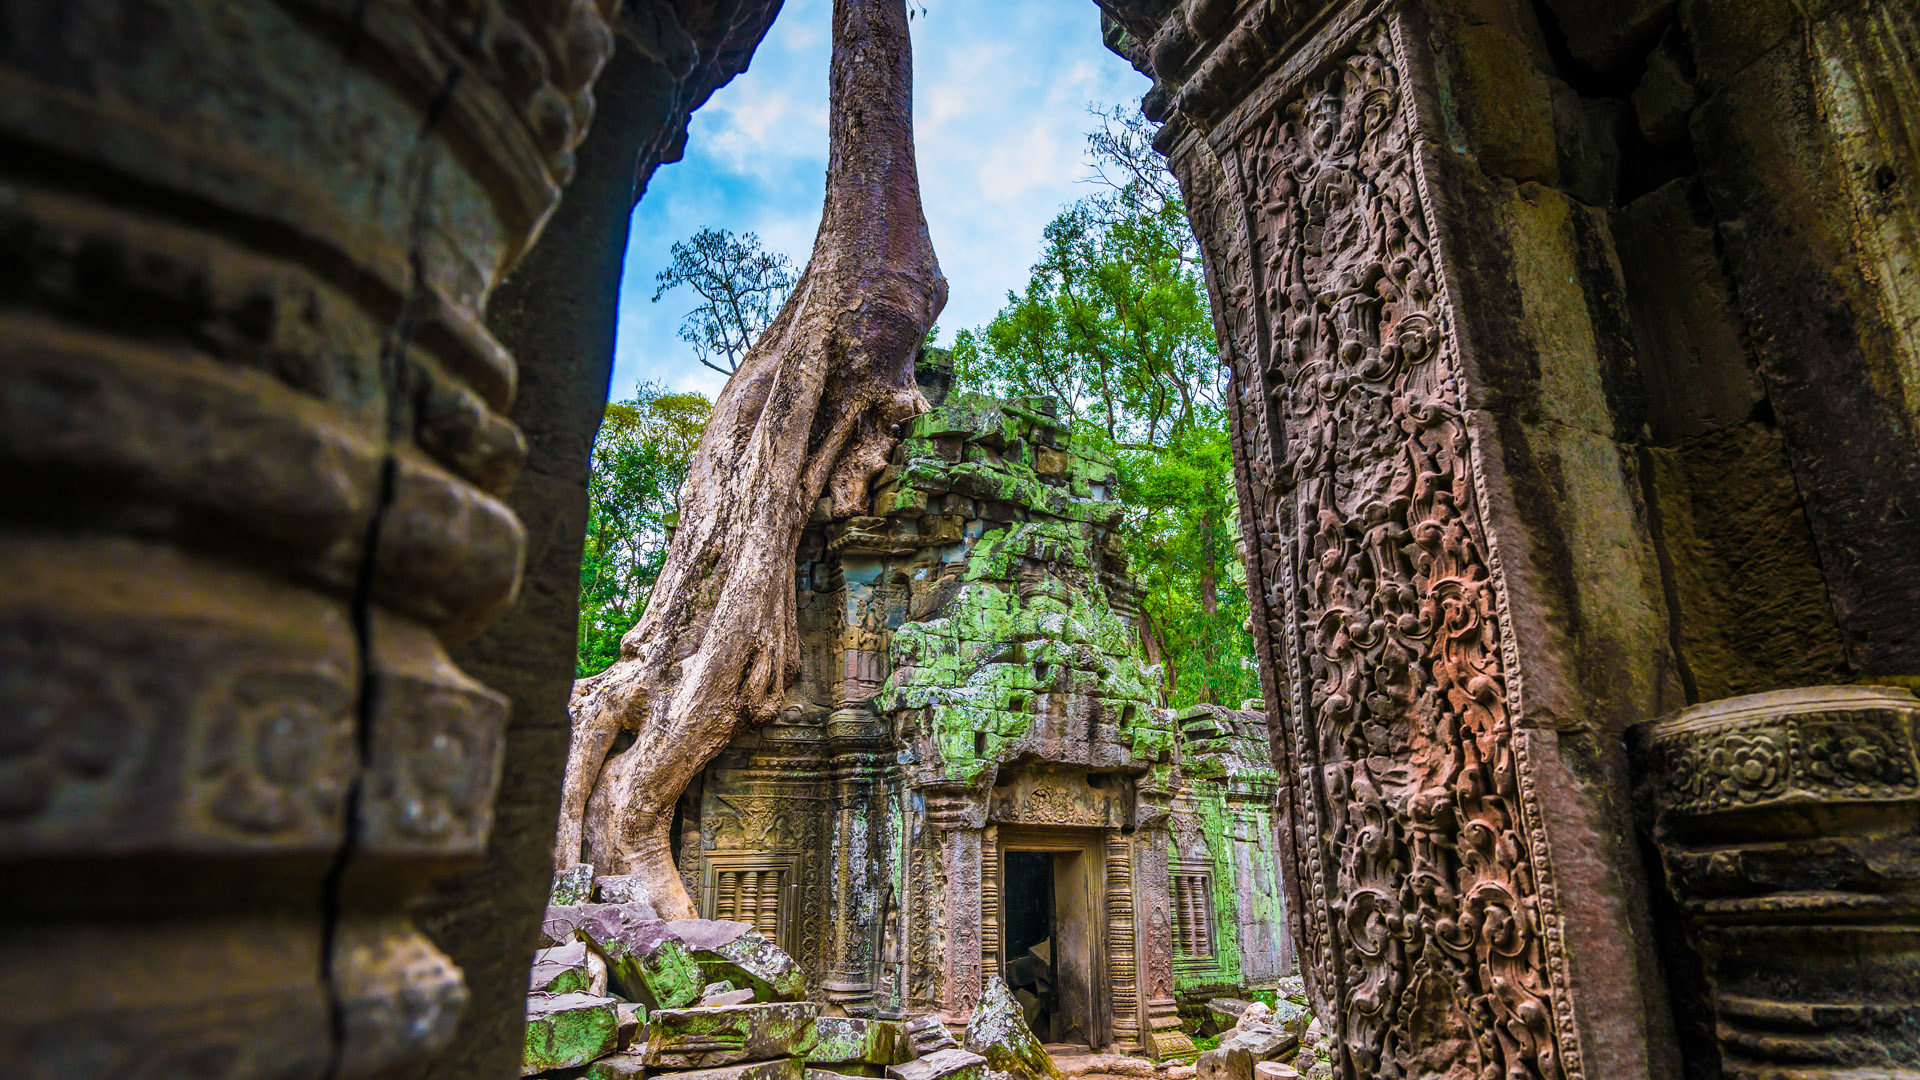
x: 622, y: 889
x: 645, y: 961
x: 568, y: 969
x: 842, y: 1040
x: 955, y: 1064
x: 633, y: 1023
x: 623, y: 1066
x: 999, y: 1033
x: 926, y: 1035
x: 565, y: 1031
x: 736, y: 952
x: 727, y: 997
x: 702, y: 1038
x: 777, y: 1069
x: 574, y: 885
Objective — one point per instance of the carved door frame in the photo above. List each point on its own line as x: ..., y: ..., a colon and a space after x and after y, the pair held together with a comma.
x: 1090, y: 845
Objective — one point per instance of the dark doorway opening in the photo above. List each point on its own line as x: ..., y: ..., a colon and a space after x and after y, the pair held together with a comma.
x: 1030, y: 973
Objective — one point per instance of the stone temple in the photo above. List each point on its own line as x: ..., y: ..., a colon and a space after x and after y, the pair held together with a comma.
x: 981, y: 766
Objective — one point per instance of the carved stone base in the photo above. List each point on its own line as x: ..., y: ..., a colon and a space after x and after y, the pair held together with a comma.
x: 1786, y: 823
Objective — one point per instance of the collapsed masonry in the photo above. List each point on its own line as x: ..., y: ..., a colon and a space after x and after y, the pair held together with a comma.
x: 620, y: 994
x: 977, y: 778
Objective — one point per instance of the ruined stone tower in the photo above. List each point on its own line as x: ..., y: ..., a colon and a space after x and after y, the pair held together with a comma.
x: 978, y: 762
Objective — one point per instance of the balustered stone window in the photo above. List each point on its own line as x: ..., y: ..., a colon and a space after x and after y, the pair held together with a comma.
x: 1192, y: 913
x: 754, y: 889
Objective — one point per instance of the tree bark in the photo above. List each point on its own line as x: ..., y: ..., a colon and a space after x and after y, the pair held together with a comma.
x: 811, y: 411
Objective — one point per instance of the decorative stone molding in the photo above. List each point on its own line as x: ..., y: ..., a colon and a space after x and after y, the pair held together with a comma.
x: 1786, y: 825
x: 255, y: 439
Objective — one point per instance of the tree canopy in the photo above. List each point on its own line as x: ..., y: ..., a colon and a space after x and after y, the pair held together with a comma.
x: 741, y: 287
x: 1115, y: 324
x: 639, y: 462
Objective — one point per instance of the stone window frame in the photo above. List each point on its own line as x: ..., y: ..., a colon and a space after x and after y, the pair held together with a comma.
x: 787, y: 866
x: 1202, y: 872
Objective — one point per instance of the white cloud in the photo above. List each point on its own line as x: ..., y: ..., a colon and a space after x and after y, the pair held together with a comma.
x: 1000, y: 115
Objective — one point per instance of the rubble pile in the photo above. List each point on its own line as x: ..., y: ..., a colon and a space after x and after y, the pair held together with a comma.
x: 1283, y: 1041
x: 619, y: 993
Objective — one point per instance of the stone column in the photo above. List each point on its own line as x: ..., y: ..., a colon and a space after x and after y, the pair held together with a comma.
x: 1159, y: 1032
x: 858, y: 861
x: 1455, y: 600
x: 254, y: 439
x: 959, y: 818
x: 1785, y: 821
x: 1123, y: 957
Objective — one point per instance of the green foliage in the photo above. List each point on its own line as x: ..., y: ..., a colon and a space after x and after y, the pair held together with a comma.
x: 1115, y: 324
x: 640, y: 460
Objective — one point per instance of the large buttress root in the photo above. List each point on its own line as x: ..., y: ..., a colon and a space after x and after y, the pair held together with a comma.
x: 810, y: 412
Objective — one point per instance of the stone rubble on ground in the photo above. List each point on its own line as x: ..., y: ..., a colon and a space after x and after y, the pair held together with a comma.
x: 620, y: 994
x: 1266, y: 1042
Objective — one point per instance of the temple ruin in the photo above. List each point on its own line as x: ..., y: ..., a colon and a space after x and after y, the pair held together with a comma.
x: 982, y: 766
x: 1574, y: 385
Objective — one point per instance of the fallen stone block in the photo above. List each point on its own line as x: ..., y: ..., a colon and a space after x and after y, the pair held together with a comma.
x: 1275, y: 1070
x: 729, y: 997
x: 847, y: 1040
x: 777, y: 1069
x: 1241, y: 1049
x: 1228, y: 1010
x: 953, y: 1064
x: 738, y: 953
x: 565, y: 1031
x: 998, y: 1032
x: 706, y: 1038
x: 626, y: 1065
x: 645, y: 960
x: 574, y: 885
x: 926, y: 1035
x: 633, y: 1023
x: 1291, y: 1017
x: 623, y: 889
x: 568, y: 969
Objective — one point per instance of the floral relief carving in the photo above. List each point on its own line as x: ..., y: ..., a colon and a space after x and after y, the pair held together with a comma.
x: 1433, y: 933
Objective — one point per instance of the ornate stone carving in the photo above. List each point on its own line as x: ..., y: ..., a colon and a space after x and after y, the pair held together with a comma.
x: 1123, y: 961
x: 254, y: 436
x: 1785, y: 823
x: 1428, y: 915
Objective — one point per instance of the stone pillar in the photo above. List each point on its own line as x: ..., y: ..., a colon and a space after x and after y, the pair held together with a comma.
x: 1123, y: 958
x: 1455, y: 600
x: 1159, y: 1030
x: 1785, y: 821
x: 858, y: 862
x: 990, y: 900
x: 959, y: 818
x: 253, y: 437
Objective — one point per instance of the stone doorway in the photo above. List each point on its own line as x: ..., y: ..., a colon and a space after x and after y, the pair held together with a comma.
x: 1050, y: 933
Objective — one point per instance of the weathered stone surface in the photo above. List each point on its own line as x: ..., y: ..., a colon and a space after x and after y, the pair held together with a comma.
x: 1785, y: 823
x: 645, y: 961
x: 780, y: 1069
x: 927, y: 1035
x: 633, y: 1023
x: 555, y: 314
x: 849, y: 1039
x: 571, y: 886
x: 951, y: 1064
x: 568, y: 1030
x: 726, y: 997
x: 738, y: 953
x: 627, y: 1065
x: 621, y: 889
x: 701, y: 1038
x: 1000, y: 1034
x: 567, y: 969
x: 1243, y: 1048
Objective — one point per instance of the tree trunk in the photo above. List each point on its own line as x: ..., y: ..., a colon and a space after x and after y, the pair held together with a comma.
x: 810, y: 412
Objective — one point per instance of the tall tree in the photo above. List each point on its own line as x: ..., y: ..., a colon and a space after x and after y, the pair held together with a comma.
x: 810, y: 412
x: 740, y: 285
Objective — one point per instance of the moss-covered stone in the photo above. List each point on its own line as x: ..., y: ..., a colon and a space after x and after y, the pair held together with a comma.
x: 999, y: 1033
x: 706, y: 1037
x: 565, y: 1031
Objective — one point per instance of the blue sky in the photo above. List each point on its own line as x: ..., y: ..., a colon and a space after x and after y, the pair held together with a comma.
x: 1001, y: 89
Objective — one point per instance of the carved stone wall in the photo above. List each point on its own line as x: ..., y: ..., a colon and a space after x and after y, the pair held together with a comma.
x: 1568, y: 391
x: 256, y: 448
